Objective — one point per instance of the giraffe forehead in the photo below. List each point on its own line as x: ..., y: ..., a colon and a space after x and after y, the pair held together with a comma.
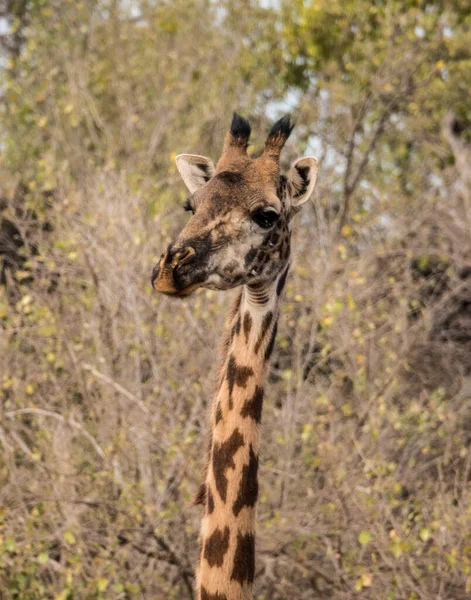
x: 232, y: 190
x: 214, y: 223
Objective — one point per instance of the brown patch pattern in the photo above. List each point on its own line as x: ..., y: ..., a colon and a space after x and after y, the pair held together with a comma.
x: 216, y: 546
x: 236, y: 329
x: 271, y: 343
x: 248, y: 490
x: 244, y: 559
x: 253, y: 406
x: 218, y: 413
x: 247, y: 326
x: 236, y: 375
x: 210, y: 500
x: 266, y: 322
x: 281, y: 282
x: 200, y: 495
x: 223, y: 458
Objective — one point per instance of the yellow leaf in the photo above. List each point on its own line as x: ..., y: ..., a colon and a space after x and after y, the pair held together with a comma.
x: 69, y: 537
x: 351, y: 302
x: 20, y: 275
x: 343, y: 251
x: 102, y: 584
x: 25, y: 300
x: 306, y: 433
x: 347, y: 410
x: 424, y: 534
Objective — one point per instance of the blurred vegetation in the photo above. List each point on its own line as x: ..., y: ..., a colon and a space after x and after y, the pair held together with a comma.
x: 104, y: 385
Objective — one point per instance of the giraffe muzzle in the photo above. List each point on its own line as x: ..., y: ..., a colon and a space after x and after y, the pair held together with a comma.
x: 167, y: 274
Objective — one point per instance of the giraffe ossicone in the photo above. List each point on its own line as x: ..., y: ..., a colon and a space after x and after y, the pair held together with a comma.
x: 239, y: 236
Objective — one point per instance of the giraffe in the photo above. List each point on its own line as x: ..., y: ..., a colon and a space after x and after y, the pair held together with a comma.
x: 238, y: 237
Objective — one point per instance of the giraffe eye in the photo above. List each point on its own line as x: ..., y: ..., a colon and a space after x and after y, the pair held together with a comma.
x: 187, y: 206
x: 265, y: 217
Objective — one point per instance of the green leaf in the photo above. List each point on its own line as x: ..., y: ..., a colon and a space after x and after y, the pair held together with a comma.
x: 43, y: 558
x: 365, y: 537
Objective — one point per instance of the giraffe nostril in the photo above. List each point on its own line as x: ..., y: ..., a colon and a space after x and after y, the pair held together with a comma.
x: 184, y: 256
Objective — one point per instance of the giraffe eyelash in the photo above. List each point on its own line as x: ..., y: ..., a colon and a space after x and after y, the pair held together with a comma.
x: 187, y: 206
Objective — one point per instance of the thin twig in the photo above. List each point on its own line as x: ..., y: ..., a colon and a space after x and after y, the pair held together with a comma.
x: 49, y: 413
x: 117, y: 386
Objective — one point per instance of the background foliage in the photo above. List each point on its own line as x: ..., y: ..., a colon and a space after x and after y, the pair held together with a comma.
x: 104, y: 385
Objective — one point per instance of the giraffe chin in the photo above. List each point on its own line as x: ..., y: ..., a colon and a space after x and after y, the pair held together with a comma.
x: 190, y: 289
x: 176, y: 293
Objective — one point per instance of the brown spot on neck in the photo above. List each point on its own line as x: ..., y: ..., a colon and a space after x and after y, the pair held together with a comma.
x: 236, y: 329
x: 253, y: 406
x: 210, y: 501
x: 247, y: 326
x: 223, y: 458
x: 236, y: 375
x: 248, y: 490
x: 244, y: 559
x: 271, y: 344
x: 200, y: 497
x: 281, y: 281
x: 218, y: 413
x: 216, y: 546
x: 266, y: 322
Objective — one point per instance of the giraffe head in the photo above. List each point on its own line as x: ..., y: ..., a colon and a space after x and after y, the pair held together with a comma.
x: 242, y: 207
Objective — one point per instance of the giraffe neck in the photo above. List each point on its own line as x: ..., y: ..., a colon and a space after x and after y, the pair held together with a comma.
x: 227, y: 562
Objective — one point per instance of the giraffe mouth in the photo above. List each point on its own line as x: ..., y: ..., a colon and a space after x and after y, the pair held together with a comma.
x: 179, y: 293
x: 177, y: 280
x: 182, y: 285
x: 167, y: 283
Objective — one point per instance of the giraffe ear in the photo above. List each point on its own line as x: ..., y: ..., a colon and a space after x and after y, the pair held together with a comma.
x: 195, y: 170
x: 302, y: 179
